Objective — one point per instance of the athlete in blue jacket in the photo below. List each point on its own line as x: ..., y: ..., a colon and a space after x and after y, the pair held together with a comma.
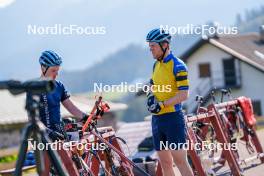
x: 49, y: 110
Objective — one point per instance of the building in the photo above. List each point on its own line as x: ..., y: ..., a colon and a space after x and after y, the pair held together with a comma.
x: 227, y: 61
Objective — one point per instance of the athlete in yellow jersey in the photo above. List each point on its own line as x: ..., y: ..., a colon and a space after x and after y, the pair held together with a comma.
x: 170, y: 87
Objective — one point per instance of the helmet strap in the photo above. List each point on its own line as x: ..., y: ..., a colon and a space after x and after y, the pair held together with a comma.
x: 44, y: 73
x: 164, y: 52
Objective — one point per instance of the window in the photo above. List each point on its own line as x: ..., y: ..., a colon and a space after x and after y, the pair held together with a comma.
x: 231, y: 79
x: 257, y: 107
x: 204, y: 70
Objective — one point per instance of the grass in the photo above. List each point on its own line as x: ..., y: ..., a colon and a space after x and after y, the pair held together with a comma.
x: 8, y: 162
x: 8, y: 159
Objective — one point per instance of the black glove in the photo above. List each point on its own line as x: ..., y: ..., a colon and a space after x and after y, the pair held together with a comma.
x: 156, y: 108
x: 54, y: 136
x: 153, y: 105
x: 84, y: 118
x: 150, y: 99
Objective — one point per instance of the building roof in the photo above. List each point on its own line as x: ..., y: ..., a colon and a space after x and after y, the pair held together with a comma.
x: 134, y: 133
x: 12, y: 108
x: 246, y: 47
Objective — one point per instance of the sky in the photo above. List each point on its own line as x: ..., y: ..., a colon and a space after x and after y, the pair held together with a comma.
x: 123, y: 21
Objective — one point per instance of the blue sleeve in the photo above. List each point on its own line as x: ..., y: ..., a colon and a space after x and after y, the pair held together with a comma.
x: 64, y: 93
x: 181, y: 74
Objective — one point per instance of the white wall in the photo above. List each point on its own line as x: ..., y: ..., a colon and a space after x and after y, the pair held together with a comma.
x: 252, y: 84
x: 207, y: 53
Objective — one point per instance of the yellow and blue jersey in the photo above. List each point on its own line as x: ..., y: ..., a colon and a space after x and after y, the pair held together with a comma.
x: 169, y: 72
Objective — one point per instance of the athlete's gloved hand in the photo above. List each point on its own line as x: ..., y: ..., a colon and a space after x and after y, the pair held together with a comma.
x: 84, y: 118
x: 153, y: 105
x: 156, y: 108
x: 54, y: 136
